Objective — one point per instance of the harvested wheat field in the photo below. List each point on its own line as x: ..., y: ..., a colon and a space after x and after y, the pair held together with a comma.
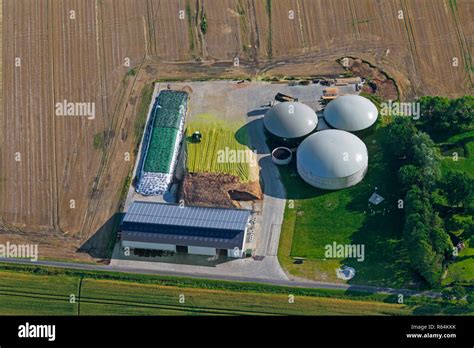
x: 62, y: 178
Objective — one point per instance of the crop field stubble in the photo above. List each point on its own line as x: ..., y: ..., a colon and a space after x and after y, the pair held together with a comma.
x: 83, y: 60
x: 51, y: 195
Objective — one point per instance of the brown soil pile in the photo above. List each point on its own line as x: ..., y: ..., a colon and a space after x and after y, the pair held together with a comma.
x: 384, y: 86
x: 217, y: 190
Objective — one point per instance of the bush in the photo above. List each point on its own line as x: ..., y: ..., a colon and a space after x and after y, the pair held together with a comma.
x: 98, y: 142
x: 203, y: 24
x: 458, y: 188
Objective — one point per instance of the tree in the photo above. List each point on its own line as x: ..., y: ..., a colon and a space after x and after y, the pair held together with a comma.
x: 418, y: 201
x: 470, y: 298
x: 458, y: 291
x: 459, y: 224
x: 469, y: 232
x: 400, y: 134
x: 440, y: 240
x: 458, y: 188
x: 428, y: 264
x: 440, y: 115
x: 423, y: 150
x: 461, y: 111
x: 425, y: 156
x: 409, y: 175
x: 435, y: 113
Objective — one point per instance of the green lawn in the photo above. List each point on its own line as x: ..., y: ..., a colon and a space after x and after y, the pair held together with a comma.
x: 464, y: 163
x: 345, y: 217
x: 462, y: 270
x: 140, y: 120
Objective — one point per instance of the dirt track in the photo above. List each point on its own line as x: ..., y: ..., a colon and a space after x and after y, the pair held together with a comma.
x: 82, y: 60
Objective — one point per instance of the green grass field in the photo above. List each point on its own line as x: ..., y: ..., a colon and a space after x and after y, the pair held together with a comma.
x: 464, y: 163
x: 138, y: 298
x: 210, y: 154
x: 27, y: 294
x: 462, y: 270
x: 322, y: 217
x: 33, y: 294
x: 39, y: 290
x: 140, y: 121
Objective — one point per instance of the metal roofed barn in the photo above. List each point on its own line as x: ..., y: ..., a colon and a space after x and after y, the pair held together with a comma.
x: 351, y: 113
x: 332, y: 159
x: 194, y: 230
x: 290, y: 121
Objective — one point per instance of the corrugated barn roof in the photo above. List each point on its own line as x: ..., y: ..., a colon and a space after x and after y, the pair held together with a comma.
x: 171, y: 214
x: 186, y: 225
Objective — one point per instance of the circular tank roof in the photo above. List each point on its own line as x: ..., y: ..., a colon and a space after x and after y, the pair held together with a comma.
x: 351, y: 113
x: 332, y: 153
x: 290, y: 120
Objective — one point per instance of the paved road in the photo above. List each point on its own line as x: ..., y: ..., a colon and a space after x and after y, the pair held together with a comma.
x: 280, y: 282
x: 273, y: 201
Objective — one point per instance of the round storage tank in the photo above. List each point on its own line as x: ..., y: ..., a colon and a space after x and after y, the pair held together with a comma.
x: 290, y: 120
x: 351, y: 113
x: 281, y: 155
x: 332, y: 159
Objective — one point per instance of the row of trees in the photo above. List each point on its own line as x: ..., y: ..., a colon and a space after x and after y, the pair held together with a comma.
x: 428, y: 244
x: 417, y: 152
